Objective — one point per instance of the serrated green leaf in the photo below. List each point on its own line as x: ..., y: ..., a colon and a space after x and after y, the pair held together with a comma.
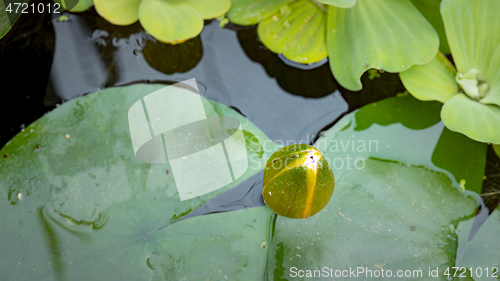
x: 339, y: 3
x: 250, y: 12
x: 476, y: 120
x: 118, y: 12
x: 391, y: 35
x: 170, y: 21
x: 432, y: 81
x: 430, y: 10
x: 297, y: 32
x: 472, y: 32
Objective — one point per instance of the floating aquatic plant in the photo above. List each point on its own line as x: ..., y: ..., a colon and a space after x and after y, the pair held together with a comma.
x: 75, y: 6
x: 167, y: 21
x: 471, y: 92
x: 356, y: 35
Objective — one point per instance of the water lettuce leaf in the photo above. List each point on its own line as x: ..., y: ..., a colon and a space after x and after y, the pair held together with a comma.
x: 471, y: 28
x: 391, y: 35
x: 473, y: 119
x: 432, y: 81
x: 285, y: 32
x: 430, y: 9
x: 472, y: 99
x: 339, y: 3
x: 167, y: 21
x: 250, y: 12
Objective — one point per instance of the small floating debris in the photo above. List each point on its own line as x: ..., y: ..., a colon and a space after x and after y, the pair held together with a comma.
x: 68, y: 136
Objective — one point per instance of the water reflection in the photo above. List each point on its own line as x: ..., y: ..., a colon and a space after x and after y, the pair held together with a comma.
x: 316, y: 82
x: 170, y: 59
x: 118, y: 56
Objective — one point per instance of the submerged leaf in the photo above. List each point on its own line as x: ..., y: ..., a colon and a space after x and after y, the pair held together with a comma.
x: 391, y: 35
x: 496, y: 147
x: 476, y: 120
x: 432, y: 81
x: 297, y: 32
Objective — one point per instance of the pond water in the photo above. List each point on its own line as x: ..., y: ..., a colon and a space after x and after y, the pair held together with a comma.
x: 68, y: 59
x: 56, y: 61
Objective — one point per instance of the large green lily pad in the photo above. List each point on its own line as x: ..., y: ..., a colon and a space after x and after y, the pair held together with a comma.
x: 408, y: 131
x: 76, y: 203
x: 397, y: 200
x: 391, y: 35
x: 480, y: 252
x: 126, y: 243
x: 385, y: 216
